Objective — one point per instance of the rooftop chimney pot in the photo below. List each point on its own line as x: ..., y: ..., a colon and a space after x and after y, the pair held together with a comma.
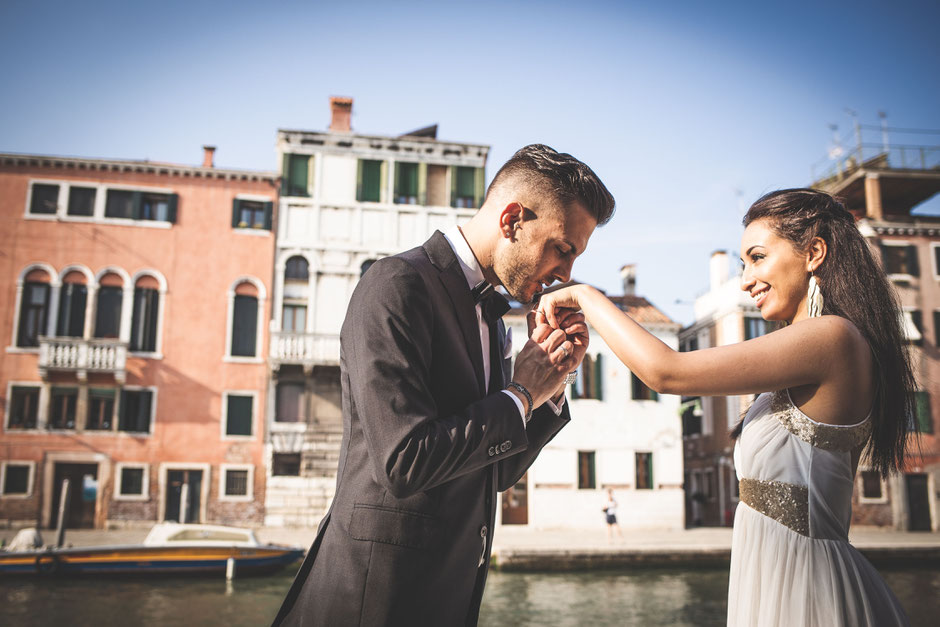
x: 208, y: 156
x: 341, y: 111
x: 628, y: 275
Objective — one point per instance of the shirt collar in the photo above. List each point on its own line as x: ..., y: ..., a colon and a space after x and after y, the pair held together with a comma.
x: 468, y: 262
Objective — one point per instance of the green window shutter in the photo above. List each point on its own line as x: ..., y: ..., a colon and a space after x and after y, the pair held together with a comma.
x: 171, y: 204
x: 466, y: 182
x: 406, y: 181
x: 597, y: 378
x: 236, y: 210
x: 296, y: 172
x: 478, y: 187
x: 649, y: 470
x: 269, y: 215
x: 285, y: 174
x: 369, y: 180
x: 923, y: 413
x: 453, y: 185
x: 122, y: 412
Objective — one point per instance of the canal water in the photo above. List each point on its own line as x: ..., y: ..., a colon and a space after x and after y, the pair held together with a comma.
x: 645, y: 597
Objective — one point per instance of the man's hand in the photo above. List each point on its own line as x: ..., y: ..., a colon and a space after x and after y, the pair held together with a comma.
x: 549, y: 355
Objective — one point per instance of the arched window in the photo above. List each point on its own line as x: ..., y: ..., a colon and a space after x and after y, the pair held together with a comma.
x: 34, y: 308
x: 245, y: 321
x: 108, y: 306
x: 73, y: 299
x: 145, y: 315
x: 297, y: 268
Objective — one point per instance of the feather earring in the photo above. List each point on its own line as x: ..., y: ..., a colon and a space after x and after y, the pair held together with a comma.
x: 814, y: 301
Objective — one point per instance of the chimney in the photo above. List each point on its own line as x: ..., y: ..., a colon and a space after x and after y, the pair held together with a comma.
x: 208, y: 156
x: 628, y: 276
x: 718, y: 269
x: 341, y: 110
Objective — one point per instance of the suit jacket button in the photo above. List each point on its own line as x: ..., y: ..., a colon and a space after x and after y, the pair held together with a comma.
x: 491, y: 451
x: 505, y: 446
x: 483, y: 531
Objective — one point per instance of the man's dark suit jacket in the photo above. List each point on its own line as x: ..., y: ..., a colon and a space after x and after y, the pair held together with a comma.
x: 424, y: 451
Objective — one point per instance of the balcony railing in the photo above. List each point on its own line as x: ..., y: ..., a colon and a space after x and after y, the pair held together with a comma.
x: 83, y: 356
x: 308, y: 349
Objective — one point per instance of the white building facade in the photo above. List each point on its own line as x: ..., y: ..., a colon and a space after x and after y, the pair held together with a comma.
x: 346, y: 200
x: 622, y: 436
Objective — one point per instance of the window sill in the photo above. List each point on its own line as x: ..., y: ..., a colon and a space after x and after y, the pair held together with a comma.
x: 23, y: 350
x: 236, y: 499
x: 156, y: 224
x: 288, y: 427
x: 901, y: 278
x: 131, y: 497
x: 238, y: 438
x: 18, y: 497
x: 48, y: 217
x: 251, y: 231
x: 867, y: 501
x: 145, y: 355
x: 229, y: 359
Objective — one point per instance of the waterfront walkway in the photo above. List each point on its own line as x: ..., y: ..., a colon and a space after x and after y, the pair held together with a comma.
x: 520, y: 548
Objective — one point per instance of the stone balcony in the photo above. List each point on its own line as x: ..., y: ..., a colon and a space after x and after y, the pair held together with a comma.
x: 81, y: 356
x: 305, y: 349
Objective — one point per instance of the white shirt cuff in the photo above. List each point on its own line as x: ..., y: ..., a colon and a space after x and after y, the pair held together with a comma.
x: 515, y: 399
x: 556, y: 408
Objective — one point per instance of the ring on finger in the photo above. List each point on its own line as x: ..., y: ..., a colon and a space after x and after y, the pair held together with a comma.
x: 565, y: 350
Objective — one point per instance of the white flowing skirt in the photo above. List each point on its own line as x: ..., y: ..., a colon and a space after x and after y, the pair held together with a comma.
x: 779, y: 577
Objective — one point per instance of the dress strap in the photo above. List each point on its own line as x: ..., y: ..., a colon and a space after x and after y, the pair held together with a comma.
x: 823, y: 436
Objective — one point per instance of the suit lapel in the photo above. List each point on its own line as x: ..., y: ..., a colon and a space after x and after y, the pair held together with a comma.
x: 442, y: 256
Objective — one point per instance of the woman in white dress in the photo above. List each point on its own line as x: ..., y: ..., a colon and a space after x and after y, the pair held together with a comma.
x: 835, y: 383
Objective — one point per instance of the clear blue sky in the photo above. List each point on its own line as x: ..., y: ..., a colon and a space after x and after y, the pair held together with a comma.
x: 688, y: 110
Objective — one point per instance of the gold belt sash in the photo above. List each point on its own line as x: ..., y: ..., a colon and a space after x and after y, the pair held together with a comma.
x: 787, y: 503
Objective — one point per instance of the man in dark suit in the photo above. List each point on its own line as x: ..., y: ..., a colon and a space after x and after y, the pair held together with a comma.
x: 432, y: 424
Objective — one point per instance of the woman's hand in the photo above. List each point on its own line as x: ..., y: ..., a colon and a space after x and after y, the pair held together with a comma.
x: 551, y: 304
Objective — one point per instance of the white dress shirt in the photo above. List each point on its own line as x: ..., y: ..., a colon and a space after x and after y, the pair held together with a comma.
x: 474, y: 274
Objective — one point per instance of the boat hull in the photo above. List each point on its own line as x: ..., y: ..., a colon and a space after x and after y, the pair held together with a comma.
x: 137, y: 560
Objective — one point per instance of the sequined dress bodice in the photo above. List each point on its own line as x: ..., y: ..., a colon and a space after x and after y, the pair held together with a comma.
x: 796, y: 470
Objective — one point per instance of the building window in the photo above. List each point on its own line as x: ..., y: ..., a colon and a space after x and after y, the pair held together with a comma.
x: 245, y: 326
x: 586, y: 479
x: 108, y: 311
x: 17, y: 479
x: 296, y: 170
x: 369, y: 181
x: 754, y: 327
x: 296, y: 269
x: 936, y: 260
x: 641, y: 391
x: 289, y: 402
x: 709, y: 484
x: 24, y: 407
x: 252, y: 214
x: 286, y: 465
x: 900, y: 259
x: 871, y: 485
x: 236, y: 483
x: 132, y: 481
x: 100, y: 410
x: 294, y: 319
x: 589, y: 384
x: 644, y: 471
x: 82, y: 201
x: 45, y: 199
x: 913, y: 326
x: 923, y: 418
x: 73, y: 298
x: 144, y: 320
x: 406, y: 183
x: 238, y: 415
x: 62, y: 408
x: 466, y: 187
x: 33, y: 311
x: 135, y: 205
x: 688, y: 345
x: 692, y: 417
x: 135, y: 409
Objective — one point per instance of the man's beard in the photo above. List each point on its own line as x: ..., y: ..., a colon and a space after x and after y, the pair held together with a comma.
x: 515, y: 278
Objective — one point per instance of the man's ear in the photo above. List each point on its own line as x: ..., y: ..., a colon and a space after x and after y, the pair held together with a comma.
x: 509, y: 219
x: 816, y: 253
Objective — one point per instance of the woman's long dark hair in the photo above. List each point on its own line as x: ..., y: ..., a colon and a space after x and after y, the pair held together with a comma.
x: 854, y: 286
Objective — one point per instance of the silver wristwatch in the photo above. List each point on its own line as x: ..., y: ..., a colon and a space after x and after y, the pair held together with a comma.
x: 571, y: 378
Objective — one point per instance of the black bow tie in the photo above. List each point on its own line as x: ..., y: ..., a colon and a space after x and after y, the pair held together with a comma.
x: 493, y: 304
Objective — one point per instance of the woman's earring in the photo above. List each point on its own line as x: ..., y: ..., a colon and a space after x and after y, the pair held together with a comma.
x: 814, y: 302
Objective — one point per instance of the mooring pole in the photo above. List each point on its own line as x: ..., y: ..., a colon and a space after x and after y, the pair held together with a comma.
x: 63, y: 509
x: 184, y: 502
x: 230, y: 569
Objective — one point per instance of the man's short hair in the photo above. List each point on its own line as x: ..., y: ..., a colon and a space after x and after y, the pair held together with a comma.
x: 560, y: 176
